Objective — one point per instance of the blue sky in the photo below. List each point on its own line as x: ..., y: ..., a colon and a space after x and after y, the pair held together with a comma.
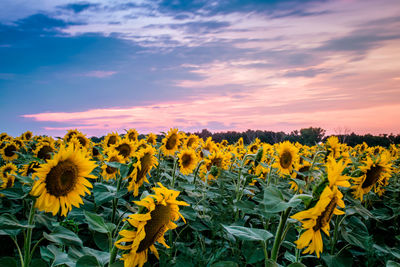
x: 103, y: 66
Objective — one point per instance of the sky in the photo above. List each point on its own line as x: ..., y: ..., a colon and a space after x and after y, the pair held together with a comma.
x: 105, y: 66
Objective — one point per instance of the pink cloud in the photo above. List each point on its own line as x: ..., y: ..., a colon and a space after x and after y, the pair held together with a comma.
x: 99, y: 73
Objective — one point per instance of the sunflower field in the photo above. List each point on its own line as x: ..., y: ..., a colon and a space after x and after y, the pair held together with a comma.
x: 183, y: 201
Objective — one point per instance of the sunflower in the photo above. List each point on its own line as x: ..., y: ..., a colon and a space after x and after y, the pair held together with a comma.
x: 218, y: 159
x: 146, y: 160
x: 132, y: 135
x: 253, y: 147
x: 333, y: 146
x: 70, y: 134
x: 171, y: 142
x: 125, y: 148
x: 62, y: 181
x: 192, y: 141
x: 187, y: 161
x: 209, y: 145
x: 317, y: 218
x: 334, y: 170
x: 376, y: 173
x: 30, y: 168
x: 111, y: 139
x: 287, y: 158
x: 9, y: 168
x: 108, y: 171
x: 26, y: 135
x: 44, y: 151
x: 162, y: 209
x: 84, y: 142
x: 4, y: 136
x: 300, y: 174
x: 151, y: 139
x: 8, y: 151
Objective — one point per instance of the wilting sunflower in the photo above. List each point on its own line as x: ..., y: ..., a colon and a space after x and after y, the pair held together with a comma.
x: 317, y: 218
x: 376, y: 174
x: 125, y: 148
x: 113, y: 156
x: 187, y: 161
x: 8, y: 151
x: 111, y: 139
x: 151, y: 139
x: 44, y: 151
x: 287, y: 158
x: 162, y: 210
x: 132, y: 135
x: 62, y: 181
x: 146, y: 160
x: 30, y: 168
x: 171, y: 142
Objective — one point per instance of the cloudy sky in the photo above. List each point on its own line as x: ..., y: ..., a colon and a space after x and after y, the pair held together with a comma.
x: 103, y: 66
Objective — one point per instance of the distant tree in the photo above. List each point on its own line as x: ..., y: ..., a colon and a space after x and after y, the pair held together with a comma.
x: 310, y: 136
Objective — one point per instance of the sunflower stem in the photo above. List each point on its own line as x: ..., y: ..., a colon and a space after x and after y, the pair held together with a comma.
x: 114, y: 250
x: 115, y: 200
x: 174, y: 172
x: 279, y: 232
x: 196, y: 172
x: 335, y: 233
x: 264, y: 245
x: 28, y: 238
x: 269, y: 172
x: 19, y: 251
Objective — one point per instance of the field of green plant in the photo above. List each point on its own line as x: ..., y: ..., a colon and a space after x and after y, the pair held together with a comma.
x: 184, y: 201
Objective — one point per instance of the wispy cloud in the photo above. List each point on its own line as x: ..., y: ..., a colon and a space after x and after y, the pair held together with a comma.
x: 99, y: 73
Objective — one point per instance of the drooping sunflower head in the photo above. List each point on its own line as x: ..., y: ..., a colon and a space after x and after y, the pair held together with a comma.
x: 8, y: 152
x: 187, y: 161
x: 132, y: 135
x: 146, y: 160
x: 62, y: 181
x: 171, y: 142
x: 376, y: 172
x: 112, y: 156
x: 44, y: 151
x: 162, y: 210
x: 151, y: 139
x: 111, y: 139
x: 126, y: 149
x: 287, y: 158
x: 317, y: 218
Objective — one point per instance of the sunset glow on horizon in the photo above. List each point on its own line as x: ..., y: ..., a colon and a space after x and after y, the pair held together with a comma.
x: 102, y: 67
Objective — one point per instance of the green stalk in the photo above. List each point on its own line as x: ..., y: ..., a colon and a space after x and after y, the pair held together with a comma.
x: 264, y: 245
x: 174, y: 172
x: 115, y: 200
x: 269, y: 172
x: 28, y: 237
x: 19, y: 251
x: 335, y: 233
x: 196, y: 172
x: 114, y: 250
x: 278, y: 236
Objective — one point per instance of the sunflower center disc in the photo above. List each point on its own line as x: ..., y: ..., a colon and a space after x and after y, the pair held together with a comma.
x: 145, y: 165
x: 326, y: 215
x: 9, y: 151
x: 171, y: 142
x: 372, y: 176
x: 62, y: 178
x: 124, y: 150
x: 82, y: 141
x: 44, y: 152
x: 186, y: 160
x: 111, y: 170
x: 286, y: 159
x: 112, y: 140
x: 155, y: 227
